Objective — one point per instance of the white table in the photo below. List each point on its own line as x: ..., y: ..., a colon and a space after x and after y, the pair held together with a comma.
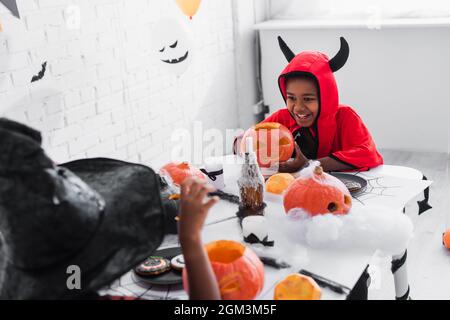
x: 399, y: 185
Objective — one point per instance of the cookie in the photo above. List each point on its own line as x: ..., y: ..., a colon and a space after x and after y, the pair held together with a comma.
x: 352, y: 186
x: 153, y: 266
x: 178, y: 262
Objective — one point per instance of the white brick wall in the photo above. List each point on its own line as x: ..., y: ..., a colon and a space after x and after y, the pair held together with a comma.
x: 104, y: 94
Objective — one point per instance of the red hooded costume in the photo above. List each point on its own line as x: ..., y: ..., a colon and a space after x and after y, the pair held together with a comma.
x: 339, y: 131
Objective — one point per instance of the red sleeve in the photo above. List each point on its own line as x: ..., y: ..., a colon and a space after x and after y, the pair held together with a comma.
x: 274, y: 117
x: 355, y: 144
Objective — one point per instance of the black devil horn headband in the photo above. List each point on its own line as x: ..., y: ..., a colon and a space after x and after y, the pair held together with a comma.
x: 337, y: 62
x: 341, y: 57
x: 286, y: 51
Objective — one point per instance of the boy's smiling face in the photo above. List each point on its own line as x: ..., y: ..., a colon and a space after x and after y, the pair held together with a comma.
x: 302, y: 100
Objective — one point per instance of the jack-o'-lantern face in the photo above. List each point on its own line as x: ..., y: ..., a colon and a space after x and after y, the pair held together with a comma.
x: 171, y: 45
x: 174, y: 60
x: 319, y: 193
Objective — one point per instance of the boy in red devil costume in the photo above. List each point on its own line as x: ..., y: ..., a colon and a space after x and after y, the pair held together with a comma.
x: 323, y: 129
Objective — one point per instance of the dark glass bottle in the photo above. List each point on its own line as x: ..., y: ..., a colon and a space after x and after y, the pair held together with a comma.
x: 251, y: 184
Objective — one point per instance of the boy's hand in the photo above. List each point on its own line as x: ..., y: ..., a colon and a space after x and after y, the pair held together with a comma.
x: 294, y: 165
x: 193, y: 209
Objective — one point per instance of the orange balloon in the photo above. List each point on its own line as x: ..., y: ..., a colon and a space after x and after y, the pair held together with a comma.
x: 189, y: 7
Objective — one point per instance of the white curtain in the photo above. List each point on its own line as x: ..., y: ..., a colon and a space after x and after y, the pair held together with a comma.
x: 358, y: 9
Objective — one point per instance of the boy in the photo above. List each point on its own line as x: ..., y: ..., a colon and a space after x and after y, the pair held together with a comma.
x: 323, y: 129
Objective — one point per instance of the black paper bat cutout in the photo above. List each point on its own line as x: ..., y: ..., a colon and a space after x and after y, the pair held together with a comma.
x: 41, y: 73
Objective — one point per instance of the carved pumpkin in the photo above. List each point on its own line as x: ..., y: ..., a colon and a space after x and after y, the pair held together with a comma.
x: 178, y: 172
x: 446, y: 239
x: 279, y: 182
x: 239, y: 271
x: 320, y: 193
x: 297, y: 287
x: 272, y: 142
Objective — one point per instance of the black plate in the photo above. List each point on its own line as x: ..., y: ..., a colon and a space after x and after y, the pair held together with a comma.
x: 168, y: 278
x: 351, y: 177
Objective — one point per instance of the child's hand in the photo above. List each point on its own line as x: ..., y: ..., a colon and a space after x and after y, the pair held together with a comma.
x: 193, y: 209
x: 294, y: 165
x: 202, y: 280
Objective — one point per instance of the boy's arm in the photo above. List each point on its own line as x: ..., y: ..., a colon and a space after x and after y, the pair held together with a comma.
x: 357, y: 148
x: 296, y: 164
x: 330, y: 164
x: 201, y: 278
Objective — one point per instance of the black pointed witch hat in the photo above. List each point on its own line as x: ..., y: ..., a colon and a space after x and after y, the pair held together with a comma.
x: 101, y: 215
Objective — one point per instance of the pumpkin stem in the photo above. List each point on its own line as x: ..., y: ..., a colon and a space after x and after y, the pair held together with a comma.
x: 183, y: 165
x: 318, y: 170
x: 267, y: 125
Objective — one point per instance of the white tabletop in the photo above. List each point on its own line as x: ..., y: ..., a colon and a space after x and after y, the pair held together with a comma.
x: 390, y: 186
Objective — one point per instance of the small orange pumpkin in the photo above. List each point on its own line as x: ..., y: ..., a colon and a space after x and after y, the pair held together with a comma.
x: 178, y: 172
x: 239, y: 271
x: 279, y: 182
x: 272, y: 142
x: 446, y: 239
x: 297, y: 287
x: 320, y: 194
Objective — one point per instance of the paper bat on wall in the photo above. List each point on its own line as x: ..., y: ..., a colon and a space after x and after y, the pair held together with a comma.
x: 41, y: 73
x: 12, y: 6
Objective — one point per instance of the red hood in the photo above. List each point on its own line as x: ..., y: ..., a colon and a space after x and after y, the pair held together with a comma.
x: 321, y: 67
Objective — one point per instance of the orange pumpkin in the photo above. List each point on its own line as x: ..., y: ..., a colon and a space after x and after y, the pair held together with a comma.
x: 279, y: 182
x: 319, y: 194
x: 272, y: 142
x: 297, y: 287
x: 446, y: 239
x: 239, y: 271
x: 178, y: 172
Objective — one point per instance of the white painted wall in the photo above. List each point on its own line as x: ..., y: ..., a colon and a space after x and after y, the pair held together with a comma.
x: 396, y: 78
x: 247, y: 13
x: 104, y: 94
